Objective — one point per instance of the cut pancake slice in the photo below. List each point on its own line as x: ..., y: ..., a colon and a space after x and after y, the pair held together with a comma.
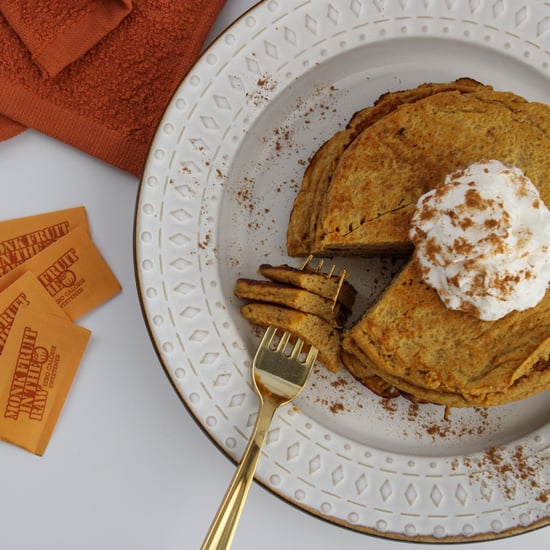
x: 379, y: 178
x: 411, y: 340
x: 302, y: 226
x: 313, y: 330
x: 291, y: 297
x: 312, y: 281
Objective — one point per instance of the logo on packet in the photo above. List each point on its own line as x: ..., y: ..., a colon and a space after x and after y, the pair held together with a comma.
x: 37, y: 366
x: 59, y: 277
x: 8, y: 315
x: 72, y: 271
x: 17, y: 250
x: 35, y: 369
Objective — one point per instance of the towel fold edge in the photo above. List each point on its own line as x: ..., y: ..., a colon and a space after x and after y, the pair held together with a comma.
x: 121, y: 150
x: 73, y: 40
x: 83, y: 35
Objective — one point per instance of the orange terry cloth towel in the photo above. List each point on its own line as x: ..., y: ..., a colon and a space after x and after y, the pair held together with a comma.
x: 97, y: 74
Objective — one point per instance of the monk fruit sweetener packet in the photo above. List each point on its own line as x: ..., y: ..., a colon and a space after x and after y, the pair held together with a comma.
x: 26, y: 291
x: 73, y: 272
x: 22, y: 238
x: 37, y: 368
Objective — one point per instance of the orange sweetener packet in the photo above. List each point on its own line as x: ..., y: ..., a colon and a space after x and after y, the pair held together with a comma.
x: 22, y: 238
x: 37, y: 368
x: 73, y: 272
x: 26, y: 291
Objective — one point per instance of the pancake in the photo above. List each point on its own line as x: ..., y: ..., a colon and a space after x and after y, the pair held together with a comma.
x: 413, y: 342
x: 313, y: 281
x: 291, y: 297
x: 303, y: 219
x: 364, y: 373
x: 378, y: 179
x: 313, y: 330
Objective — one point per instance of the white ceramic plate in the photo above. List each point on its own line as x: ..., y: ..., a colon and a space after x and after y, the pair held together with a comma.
x: 214, y: 203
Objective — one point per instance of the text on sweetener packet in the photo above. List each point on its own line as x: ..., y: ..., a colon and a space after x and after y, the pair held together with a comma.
x: 73, y: 272
x: 37, y: 367
x: 26, y: 291
x: 22, y: 238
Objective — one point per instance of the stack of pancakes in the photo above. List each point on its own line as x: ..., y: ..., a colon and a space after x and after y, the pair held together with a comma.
x: 358, y: 196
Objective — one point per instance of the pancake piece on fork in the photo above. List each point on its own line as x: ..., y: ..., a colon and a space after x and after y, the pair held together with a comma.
x: 309, y: 303
x: 313, y: 330
x: 292, y: 297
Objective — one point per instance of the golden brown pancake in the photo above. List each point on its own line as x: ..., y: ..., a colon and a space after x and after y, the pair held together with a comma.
x: 411, y: 340
x: 303, y: 219
x: 291, y: 297
x: 313, y: 281
x: 313, y: 330
x: 378, y: 179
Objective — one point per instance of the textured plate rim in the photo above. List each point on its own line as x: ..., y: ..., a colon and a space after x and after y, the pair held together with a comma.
x: 393, y: 535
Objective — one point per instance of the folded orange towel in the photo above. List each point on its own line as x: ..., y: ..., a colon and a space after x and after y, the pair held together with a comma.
x: 66, y: 30
x: 97, y: 74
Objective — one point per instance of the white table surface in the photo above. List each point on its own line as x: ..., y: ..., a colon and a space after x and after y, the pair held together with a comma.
x: 127, y: 466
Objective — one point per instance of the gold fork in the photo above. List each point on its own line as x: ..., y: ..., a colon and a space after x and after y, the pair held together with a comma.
x: 278, y: 377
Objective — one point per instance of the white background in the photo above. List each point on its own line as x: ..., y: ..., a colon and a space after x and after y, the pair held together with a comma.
x: 127, y: 466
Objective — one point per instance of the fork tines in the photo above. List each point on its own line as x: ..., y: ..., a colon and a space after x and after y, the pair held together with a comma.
x: 307, y: 266
x: 280, y: 346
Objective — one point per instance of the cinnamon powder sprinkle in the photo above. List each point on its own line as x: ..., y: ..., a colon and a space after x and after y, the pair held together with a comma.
x: 509, y: 469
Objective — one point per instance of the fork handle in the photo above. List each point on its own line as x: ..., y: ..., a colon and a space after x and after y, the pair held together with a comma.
x: 223, y: 526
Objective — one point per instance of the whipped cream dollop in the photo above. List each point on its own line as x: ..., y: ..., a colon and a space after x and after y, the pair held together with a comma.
x: 482, y: 240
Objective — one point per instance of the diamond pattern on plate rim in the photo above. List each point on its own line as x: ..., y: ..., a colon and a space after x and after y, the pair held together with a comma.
x: 206, y: 123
